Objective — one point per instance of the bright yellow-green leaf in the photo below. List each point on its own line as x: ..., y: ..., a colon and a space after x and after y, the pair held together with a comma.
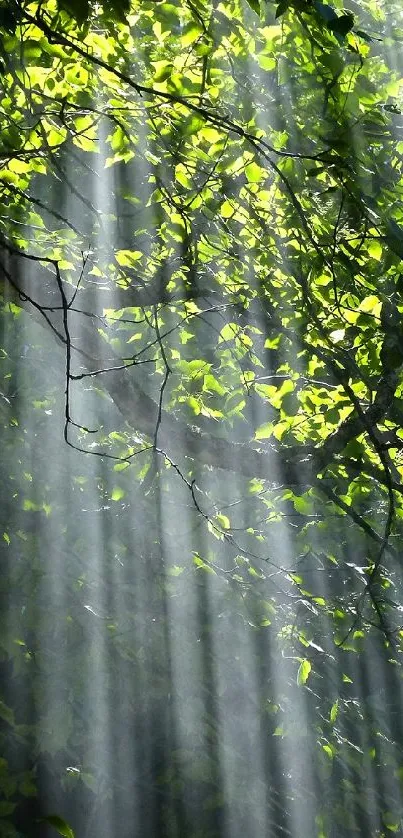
x: 211, y: 135
x: 266, y: 62
x: 202, y: 565
x: 223, y: 521
x: 303, y: 672
x: 194, y: 405
x: 211, y: 385
x: 126, y: 258
x: 375, y: 249
x: 334, y: 711
x: 255, y: 173
x: 181, y: 175
x: 264, y: 431
x: 117, y: 493
x: 227, y: 210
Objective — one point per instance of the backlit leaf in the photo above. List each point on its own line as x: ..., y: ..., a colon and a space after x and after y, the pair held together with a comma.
x: 303, y: 672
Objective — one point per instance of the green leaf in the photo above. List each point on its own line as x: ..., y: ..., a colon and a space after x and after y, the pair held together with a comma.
x: 8, y: 19
x: 255, y: 5
x: 119, y: 140
x: 202, y: 565
x: 303, y: 505
x: 375, y: 249
x: 334, y: 711
x: 126, y: 258
x: 163, y: 69
x: 117, y: 493
x: 6, y: 808
x: 365, y: 36
x: 27, y: 787
x: 59, y: 824
x: 211, y: 385
x: 326, y: 12
x: 341, y: 25
x: 394, y: 237
x: 303, y: 672
x: 118, y: 9
x: 282, y: 8
x: 6, y: 713
x: 254, y: 173
x: 290, y: 404
x: 391, y: 821
x: 223, y: 521
x: 264, y: 431
x: 78, y: 9
x: 226, y: 210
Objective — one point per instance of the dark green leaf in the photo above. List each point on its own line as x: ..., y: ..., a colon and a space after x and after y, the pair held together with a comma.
x: 365, y: 36
x: 8, y: 19
x: 78, y: 9
x: 282, y: 7
x: 394, y: 237
x: 59, y: 824
x: 326, y: 12
x: 342, y: 25
x: 255, y: 5
x: 118, y: 9
x: 6, y: 808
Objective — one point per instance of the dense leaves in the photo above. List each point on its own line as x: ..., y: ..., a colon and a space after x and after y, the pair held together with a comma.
x: 201, y: 234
